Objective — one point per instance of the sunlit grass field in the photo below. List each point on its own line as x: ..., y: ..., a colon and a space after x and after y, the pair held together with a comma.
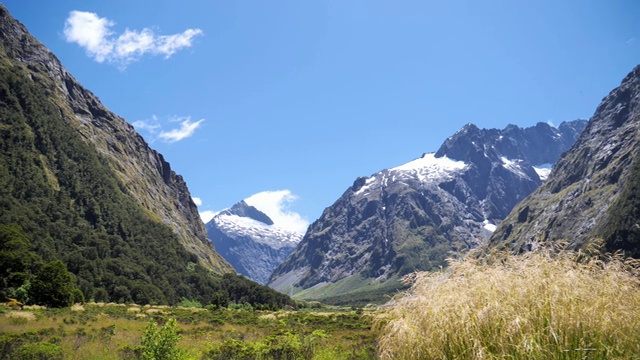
x: 542, y: 305
x: 114, y: 331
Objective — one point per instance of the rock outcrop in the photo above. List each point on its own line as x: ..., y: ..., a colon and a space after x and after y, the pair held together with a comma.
x: 592, y: 191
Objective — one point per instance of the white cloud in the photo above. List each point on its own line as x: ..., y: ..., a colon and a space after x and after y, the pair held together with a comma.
x: 207, y: 215
x: 93, y: 33
x: 276, y: 205
x: 168, y: 45
x: 90, y: 32
x: 186, y: 129
x: 197, y: 201
x: 155, y: 128
x: 151, y: 125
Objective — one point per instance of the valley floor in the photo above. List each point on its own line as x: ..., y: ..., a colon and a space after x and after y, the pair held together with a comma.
x: 117, y: 331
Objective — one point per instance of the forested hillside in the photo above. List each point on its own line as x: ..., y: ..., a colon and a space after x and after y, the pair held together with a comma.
x: 61, y: 200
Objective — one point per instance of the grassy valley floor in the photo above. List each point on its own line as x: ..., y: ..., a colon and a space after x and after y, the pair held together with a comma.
x: 116, y: 331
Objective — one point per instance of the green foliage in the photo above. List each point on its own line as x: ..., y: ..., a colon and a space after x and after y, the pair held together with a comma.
x: 160, y: 343
x: 190, y: 303
x: 40, y: 351
x: 17, y: 260
x: 22, y: 293
x: 285, y: 346
x: 54, y: 287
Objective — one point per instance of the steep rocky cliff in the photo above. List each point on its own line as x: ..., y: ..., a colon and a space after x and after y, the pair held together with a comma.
x: 413, y: 216
x: 593, y: 191
x: 248, y: 239
x: 144, y: 173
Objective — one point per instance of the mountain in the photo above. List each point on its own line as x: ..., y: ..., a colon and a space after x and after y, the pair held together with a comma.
x: 79, y: 185
x: 248, y: 239
x: 593, y: 191
x: 413, y: 216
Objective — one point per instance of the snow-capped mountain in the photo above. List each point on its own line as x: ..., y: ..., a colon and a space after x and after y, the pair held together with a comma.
x: 249, y: 240
x: 413, y: 216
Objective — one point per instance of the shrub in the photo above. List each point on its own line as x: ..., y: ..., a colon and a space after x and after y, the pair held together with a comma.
x: 40, y: 351
x: 534, y: 306
x: 190, y: 303
x: 160, y: 343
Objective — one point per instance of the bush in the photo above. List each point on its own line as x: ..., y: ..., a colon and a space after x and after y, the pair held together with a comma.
x: 40, y: 351
x: 534, y: 306
x: 190, y: 303
x: 160, y: 343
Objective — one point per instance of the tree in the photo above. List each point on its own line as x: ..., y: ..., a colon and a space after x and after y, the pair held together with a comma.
x: 53, y: 286
x: 16, y: 256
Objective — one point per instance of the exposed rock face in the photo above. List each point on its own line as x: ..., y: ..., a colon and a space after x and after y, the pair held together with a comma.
x: 248, y: 239
x: 145, y: 174
x: 592, y: 192
x: 411, y: 217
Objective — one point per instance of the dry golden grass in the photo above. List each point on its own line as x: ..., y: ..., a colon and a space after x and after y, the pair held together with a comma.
x: 533, y: 306
x: 21, y: 315
x: 77, y: 307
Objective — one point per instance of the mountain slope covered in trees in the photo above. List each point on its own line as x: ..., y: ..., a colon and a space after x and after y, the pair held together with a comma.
x: 67, y: 197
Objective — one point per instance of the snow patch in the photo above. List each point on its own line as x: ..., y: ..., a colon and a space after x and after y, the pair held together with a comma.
x: 543, y: 171
x: 489, y: 226
x: 513, y: 166
x: 367, y: 185
x: 429, y: 168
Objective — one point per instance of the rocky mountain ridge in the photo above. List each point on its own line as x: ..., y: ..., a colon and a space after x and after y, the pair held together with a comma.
x: 413, y: 216
x: 592, y: 192
x: 248, y: 239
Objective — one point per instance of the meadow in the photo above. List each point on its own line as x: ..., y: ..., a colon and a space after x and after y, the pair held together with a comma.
x: 541, y: 305
x: 118, y: 331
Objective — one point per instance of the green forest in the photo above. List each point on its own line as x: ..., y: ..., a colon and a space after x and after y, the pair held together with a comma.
x: 62, y: 208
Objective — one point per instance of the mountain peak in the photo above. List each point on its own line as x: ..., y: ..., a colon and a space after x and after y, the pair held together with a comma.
x: 250, y: 241
x: 537, y: 145
x: 243, y: 209
x: 410, y: 217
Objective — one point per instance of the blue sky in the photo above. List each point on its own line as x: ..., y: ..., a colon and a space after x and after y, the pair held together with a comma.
x: 299, y: 98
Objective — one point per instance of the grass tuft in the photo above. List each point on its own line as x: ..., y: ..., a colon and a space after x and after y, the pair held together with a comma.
x: 541, y: 305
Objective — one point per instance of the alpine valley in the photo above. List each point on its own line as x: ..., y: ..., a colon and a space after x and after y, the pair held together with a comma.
x: 412, y: 217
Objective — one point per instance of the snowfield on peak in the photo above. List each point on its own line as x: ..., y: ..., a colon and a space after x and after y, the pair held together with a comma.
x: 271, y: 235
x: 427, y: 168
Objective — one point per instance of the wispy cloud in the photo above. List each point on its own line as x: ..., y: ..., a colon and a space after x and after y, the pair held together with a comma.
x: 276, y: 205
x: 186, y: 129
x: 156, y: 130
x: 94, y: 34
x: 197, y: 201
